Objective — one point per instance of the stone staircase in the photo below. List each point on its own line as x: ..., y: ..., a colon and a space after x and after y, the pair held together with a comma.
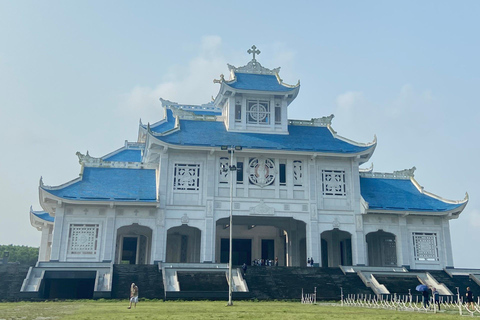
x: 269, y: 283
x: 148, y: 278
x: 202, y: 281
x: 399, y: 284
x: 456, y: 281
x: 11, y: 279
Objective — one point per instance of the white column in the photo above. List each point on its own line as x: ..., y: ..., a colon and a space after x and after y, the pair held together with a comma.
x: 110, y: 241
x: 57, y: 234
x: 159, y: 239
x: 359, y: 243
x: 448, y: 244
x: 208, y: 241
x: 43, y: 250
x: 404, y: 238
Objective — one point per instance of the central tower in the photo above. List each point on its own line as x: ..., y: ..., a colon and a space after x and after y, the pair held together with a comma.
x: 255, y: 99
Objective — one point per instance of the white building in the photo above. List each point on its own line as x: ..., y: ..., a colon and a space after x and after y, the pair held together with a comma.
x: 297, y: 192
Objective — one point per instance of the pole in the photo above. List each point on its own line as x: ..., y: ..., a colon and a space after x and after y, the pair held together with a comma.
x: 230, y: 287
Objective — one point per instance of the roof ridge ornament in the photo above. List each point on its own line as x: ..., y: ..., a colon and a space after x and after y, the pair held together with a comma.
x: 254, y: 51
x: 253, y: 66
x: 405, y: 174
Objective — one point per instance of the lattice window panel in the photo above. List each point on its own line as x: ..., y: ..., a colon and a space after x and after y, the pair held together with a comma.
x: 186, y: 177
x: 223, y: 177
x: 333, y: 183
x: 258, y: 112
x: 83, y: 239
x: 261, y: 171
x: 425, y: 246
x: 297, y: 173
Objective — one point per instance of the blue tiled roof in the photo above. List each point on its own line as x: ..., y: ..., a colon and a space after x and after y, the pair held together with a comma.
x: 399, y: 195
x: 43, y: 215
x: 127, y: 155
x: 164, y: 126
x: 111, y: 184
x: 207, y: 113
x: 259, y: 82
x: 301, y: 138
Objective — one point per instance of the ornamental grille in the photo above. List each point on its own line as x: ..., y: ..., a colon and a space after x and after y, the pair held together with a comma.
x: 425, y: 246
x: 186, y: 177
x: 297, y: 173
x: 223, y: 178
x: 258, y: 112
x: 83, y: 239
x: 261, y: 171
x: 333, y: 183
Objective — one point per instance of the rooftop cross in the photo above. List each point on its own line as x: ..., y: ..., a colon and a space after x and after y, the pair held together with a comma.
x: 254, y: 51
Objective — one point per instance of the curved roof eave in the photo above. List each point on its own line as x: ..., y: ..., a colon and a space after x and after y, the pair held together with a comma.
x: 368, y: 152
x: 291, y: 89
x: 37, y: 221
x: 108, y: 202
x: 452, y: 213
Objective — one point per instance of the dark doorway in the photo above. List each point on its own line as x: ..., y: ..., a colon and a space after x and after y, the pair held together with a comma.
x: 129, y: 252
x: 268, y: 249
x: 69, y: 285
x: 324, y: 253
x: 241, y: 251
x: 382, y: 249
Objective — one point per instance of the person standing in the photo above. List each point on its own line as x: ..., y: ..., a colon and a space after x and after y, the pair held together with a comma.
x: 426, y: 298
x: 244, y: 268
x: 133, y: 295
x: 276, y: 261
x: 436, y: 297
x: 469, y: 296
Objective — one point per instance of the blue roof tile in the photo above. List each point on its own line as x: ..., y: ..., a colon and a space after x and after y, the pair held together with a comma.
x: 126, y: 155
x: 259, y: 82
x: 399, y: 195
x: 162, y: 126
x: 43, y: 215
x: 111, y: 184
x: 300, y: 138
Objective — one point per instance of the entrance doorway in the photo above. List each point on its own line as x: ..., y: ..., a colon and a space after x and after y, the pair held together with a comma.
x: 133, y: 245
x: 183, y: 244
x: 69, y: 284
x: 241, y: 251
x: 129, y: 250
x: 382, y: 249
x: 338, y: 245
x: 268, y: 249
x: 258, y: 237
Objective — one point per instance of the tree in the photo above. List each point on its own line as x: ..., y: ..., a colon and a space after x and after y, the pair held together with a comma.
x: 20, y: 254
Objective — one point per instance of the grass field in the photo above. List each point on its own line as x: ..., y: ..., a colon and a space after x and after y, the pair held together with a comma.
x: 145, y: 310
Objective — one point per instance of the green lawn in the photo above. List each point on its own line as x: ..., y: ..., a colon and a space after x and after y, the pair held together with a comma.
x: 198, y: 310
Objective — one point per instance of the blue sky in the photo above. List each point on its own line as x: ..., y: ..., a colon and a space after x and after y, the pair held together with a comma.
x: 78, y: 76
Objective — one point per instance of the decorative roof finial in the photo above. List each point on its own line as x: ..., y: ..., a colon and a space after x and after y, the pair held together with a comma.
x: 254, y: 51
x: 222, y: 79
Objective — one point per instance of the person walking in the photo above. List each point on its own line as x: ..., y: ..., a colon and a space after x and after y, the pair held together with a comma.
x: 133, y: 296
x: 469, y: 296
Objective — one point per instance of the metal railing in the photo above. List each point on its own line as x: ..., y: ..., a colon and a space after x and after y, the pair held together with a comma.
x: 408, y: 302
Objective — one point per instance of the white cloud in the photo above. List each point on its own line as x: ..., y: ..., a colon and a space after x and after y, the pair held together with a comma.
x: 191, y: 83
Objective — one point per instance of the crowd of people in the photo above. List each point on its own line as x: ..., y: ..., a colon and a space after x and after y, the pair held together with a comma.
x: 436, y: 298
x: 265, y: 262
